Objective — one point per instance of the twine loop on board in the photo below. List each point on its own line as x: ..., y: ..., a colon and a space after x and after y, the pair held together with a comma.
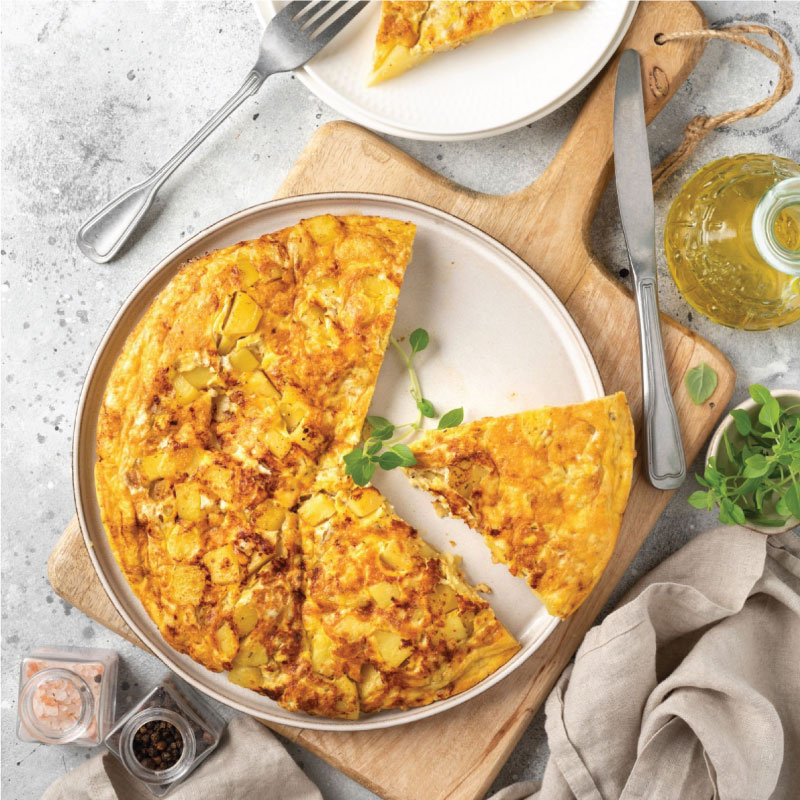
x: 700, y: 126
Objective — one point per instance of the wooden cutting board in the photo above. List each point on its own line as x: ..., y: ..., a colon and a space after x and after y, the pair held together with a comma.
x: 457, y: 754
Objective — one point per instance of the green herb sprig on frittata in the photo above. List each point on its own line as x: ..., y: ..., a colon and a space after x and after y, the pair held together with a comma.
x: 384, y: 446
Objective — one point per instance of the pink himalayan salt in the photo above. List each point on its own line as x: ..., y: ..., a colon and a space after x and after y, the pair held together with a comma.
x: 56, y: 703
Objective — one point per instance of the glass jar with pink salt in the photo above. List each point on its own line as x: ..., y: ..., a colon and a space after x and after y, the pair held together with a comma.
x: 67, y: 695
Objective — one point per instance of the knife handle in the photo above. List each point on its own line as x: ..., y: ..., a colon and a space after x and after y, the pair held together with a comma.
x: 666, y: 464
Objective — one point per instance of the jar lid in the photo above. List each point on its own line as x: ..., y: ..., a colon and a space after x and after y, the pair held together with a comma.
x: 56, y: 705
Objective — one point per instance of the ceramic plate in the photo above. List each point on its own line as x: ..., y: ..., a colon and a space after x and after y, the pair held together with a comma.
x: 501, y: 342
x: 492, y: 85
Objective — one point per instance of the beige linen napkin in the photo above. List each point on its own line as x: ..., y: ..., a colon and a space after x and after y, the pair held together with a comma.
x: 249, y: 763
x: 691, y: 688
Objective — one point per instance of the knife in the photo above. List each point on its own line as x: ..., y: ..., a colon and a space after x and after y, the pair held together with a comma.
x: 666, y: 464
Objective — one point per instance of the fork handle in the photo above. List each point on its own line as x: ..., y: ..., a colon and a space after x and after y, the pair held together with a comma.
x: 104, y: 234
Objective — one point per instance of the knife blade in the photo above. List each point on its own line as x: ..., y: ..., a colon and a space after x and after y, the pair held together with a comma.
x: 664, y: 457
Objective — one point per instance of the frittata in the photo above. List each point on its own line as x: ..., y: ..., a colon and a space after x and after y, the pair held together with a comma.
x: 220, y: 480
x: 409, y: 33
x: 546, y: 488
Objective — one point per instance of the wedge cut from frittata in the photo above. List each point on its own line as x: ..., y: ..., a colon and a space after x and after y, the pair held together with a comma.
x: 389, y: 622
x: 547, y: 489
x: 411, y: 32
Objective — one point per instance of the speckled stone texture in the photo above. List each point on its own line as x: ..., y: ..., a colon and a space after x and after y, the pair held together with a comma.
x: 95, y: 96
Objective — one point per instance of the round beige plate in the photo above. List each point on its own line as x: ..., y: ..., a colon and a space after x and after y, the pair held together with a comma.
x: 501, y: 342
x: 493, y: 85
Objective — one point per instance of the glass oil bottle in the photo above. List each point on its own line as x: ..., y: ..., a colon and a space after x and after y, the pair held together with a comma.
x: 732, y: 240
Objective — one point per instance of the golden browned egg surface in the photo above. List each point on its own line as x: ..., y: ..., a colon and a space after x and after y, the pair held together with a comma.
x: 546, y: 488
x: 220, y: 480
x: 411, y: 32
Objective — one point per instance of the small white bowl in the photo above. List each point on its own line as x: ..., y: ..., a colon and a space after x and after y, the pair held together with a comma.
x: 786, y: 397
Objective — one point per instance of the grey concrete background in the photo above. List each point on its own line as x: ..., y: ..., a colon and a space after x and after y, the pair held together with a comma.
x: 96, y: 95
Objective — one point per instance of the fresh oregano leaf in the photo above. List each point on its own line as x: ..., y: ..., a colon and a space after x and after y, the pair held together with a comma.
x: 359, y: 468
x: 700, y: 383
x: 354, y: 456
x: 367, y: 470
x: 451, y: 419
x: 389, y: 460
x: 756, y: 466
x: 382, y: 434
x: 742, y: 421
x: 426, y: 408
x: 792, y: 499
x: 407, y: 458
x: 418, y: 340
x: 702, y: 500
x: 377, y: 423
x: 728, y: 449
x: 373, y: 446
x: 712, y: 474
x: 759, y: 393
x: 725, y: 516
x: 770, y: 412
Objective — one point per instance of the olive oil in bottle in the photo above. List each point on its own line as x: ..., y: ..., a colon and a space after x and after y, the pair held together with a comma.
x: 732, y: 240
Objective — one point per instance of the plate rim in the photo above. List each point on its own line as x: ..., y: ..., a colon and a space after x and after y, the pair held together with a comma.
x: 83, y: 484
x: 355, y: 113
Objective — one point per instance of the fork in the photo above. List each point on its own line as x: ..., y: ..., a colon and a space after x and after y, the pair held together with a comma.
x: 294, y: 36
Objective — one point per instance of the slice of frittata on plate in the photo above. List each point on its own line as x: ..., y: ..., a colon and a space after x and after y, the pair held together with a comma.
x: 411, y: 32
x: 546, y: 488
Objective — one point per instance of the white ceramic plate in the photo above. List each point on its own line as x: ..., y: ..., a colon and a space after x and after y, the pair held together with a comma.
x: 500, y: 342
x: 492, y: 85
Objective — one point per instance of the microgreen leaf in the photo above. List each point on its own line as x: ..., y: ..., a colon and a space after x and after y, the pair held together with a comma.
x: 426, y: 408
x: 700, y: 383
x: 451, y: 419
x: 742, y: 421
x: 373, y: 446
x: 418, y: 340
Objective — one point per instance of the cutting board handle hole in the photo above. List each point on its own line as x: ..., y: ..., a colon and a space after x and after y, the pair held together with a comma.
x: 659, y: 39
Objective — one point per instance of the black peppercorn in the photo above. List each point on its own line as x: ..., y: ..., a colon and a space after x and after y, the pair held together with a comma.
x: 158, y: 745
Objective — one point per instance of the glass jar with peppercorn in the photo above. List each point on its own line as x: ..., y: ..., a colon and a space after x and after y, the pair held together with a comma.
x: 166, y: 735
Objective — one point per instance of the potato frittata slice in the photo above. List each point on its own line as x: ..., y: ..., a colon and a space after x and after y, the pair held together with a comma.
x: 390, y: 622
x: 409, y: 33
x: 546, y: 488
